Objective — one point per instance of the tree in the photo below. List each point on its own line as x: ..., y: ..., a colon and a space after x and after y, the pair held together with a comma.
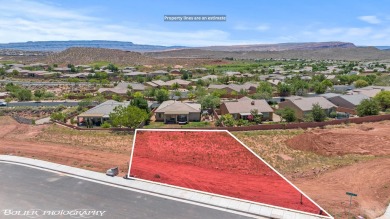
x: 318, y: 113
x: 383, y: 98
x: 299, y: 87
x: 327, y: 83
x: 130, y: 116
x: 112, y: 67
x: 209, y: 102
x: 185, y: 76
x: 117, y: 97
x: 59, y: 116
x: 368, y: 107
x: 255, y: 116
x: 200, y: 92
x: 284, y: 89
x: 218, y: 92
x: 175, y: 86
x: 138, y: 94
x: 39, y: 93
x: 24, y: 95
x: 15, y: 72
x: 140, y: 103
x: 177, y: 93
x: 361, y: 83
x: 319, y: 88
x: 264, y: 87
x: 288, y: 114
x: 226, y: 120
x: 191, y: 96
x: 161, y: 95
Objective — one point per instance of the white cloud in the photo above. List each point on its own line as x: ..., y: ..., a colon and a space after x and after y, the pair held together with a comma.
x: 370, y: 19
x: 261, y: 27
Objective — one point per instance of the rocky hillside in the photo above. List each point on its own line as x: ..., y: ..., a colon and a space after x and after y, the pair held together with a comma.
x: 80, y: 56
x: 280, y: 46
x: 353, y: 54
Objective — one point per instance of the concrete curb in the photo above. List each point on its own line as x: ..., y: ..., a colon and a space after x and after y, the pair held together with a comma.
x: 199, y: 198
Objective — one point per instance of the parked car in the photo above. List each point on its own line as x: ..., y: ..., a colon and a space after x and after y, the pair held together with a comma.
x: 3, y: 103
x: 112, y: 171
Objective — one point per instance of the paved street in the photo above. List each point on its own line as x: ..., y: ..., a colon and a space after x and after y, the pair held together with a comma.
x: 43, y: 103
x: 24, y: 188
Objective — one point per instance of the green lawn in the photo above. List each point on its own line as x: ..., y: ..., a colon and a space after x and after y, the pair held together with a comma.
x: 154, y: 125
x: 197, y: 125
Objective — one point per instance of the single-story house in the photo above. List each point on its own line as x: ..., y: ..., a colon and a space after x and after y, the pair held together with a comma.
x: 168, y: 84
x: 241, y: 108
x: 180, y: 82
x: 39, y: 74
x: 248, y: 87
x: 134, y: 74
x: 175, y: 72
x: 172, y: 111
x: 100, y: 113
x: 329, y: 95
x: 348, y: 101
x: 77, y: 75
x: 342, y: 88
x: 62, y: 69
x: 122, y: 88
x: 370, y: 91
x: 158, y: 72
x: 232, y: 73
x: 303, y: 105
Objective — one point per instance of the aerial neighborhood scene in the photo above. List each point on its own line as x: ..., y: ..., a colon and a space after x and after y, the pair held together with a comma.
x: 195, y: 109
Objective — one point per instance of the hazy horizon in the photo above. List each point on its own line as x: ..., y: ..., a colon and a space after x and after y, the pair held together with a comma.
x: 363, y: 23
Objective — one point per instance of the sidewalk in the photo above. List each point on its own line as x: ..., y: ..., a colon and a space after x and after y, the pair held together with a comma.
x: 253, y: 209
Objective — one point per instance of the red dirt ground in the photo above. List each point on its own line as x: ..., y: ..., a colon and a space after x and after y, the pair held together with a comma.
x: 363, y: 139
x: 212, y: 162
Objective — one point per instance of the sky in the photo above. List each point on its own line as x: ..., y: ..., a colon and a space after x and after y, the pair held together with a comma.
x: 364, y: 23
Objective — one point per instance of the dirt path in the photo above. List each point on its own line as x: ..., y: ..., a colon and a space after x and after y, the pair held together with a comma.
x: 370, y: 180
x: 94, y: 160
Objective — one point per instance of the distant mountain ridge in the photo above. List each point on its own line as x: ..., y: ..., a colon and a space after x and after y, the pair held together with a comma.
x: 281, y: 46
x: 57, y: 46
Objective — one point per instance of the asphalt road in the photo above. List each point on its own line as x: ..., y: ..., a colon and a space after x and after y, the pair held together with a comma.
x: 23, y: 188
x: 44, y: 83
x: 34, y: 104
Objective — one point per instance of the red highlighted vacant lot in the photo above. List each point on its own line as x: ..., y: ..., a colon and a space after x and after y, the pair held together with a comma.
x: 212, y: 162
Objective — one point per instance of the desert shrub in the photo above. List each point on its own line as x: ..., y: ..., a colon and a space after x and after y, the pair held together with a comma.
x: 368, y: 107
x: 106, y: 125
x: 287, y: 114
x: 242, y: 122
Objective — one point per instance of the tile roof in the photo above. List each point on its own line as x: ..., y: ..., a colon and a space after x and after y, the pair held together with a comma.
x: 245, y: 105
x: 103, y: 109
x: 306, y: 103
x: 172, y: 106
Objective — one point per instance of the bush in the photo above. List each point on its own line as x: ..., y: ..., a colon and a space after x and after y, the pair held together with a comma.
x: 333, y: 114
x: 383, y: 99
x: 368, y: 107
x: 59, y: 116
x: 318, y: 113
x: 287, y: 114
x: 242, y: 122
x: 227, y: 120
x: 106, y: 125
